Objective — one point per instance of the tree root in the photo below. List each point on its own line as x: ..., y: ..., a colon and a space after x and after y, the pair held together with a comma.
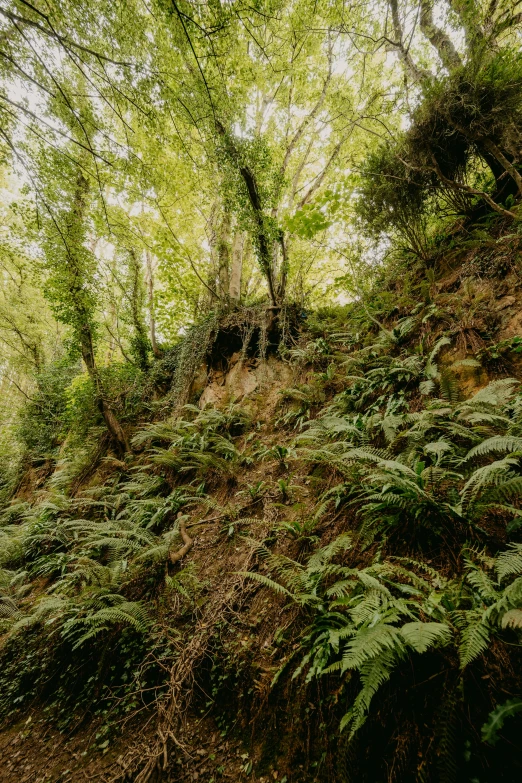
x: 187, y: 542
x: 144, y: 764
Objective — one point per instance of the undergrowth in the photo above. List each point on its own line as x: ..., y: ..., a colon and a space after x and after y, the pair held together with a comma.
x: 390, y: 509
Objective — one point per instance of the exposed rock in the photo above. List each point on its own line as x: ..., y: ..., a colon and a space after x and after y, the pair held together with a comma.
x: 241, y: 381
x: 200, y: 381
x: 514, y: 326
x: 244, y: 378
x: 213, y: 394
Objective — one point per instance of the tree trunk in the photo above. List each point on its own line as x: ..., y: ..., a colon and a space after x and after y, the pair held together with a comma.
x: 263, y: 234
x: 84, y: 329
x: 283, y: 276
x: 236, y: 270
x: 508, y: 181
x: 150, y: 303
x: 264, y: 242
x: 141, y: 348
x: 110, y: 419
x: 437, y: 37
x: 223, y: 255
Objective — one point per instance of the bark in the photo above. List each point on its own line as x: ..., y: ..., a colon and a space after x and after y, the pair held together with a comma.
x: 223, y: 254
x: 150, y: 304
x: 416, y: 73
x: 468, y: 18
x: 110, y: 419
x: 265, y: 244
x: 505, y: 163
x: 472, y: 191
x: 236, y: 270
x: 508, y: 180
x: 264, y: 241
x: 281, y: 289
x: 136, y: 303
x: 437, y: 37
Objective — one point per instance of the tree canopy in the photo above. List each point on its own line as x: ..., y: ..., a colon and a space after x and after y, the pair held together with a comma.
x: 168, y: 159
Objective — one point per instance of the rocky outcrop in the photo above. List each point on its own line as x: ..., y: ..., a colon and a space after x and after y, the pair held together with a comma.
x: 243, y: 378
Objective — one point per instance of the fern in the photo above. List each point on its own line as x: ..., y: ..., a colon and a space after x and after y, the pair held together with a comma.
x: 497, y: 718
x: 267, y: 582
x: 507, y: 444
x: 447, y: 735
x: 361, y: 620
x: 475, y: 635
x: 509, y: 562
x: 512, y: 619
x: 420, y: 636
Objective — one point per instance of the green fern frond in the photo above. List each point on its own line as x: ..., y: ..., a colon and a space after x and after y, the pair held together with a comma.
x: 421, y: 636
x: 267, y: 582
x: 9, y: 608
x: 475, y: 634
x: 497, y: 718
x: 497, y: 444
x: 369, y: 643
x: 512, y: 619
x: 449, y: 389
x: 509, y: 562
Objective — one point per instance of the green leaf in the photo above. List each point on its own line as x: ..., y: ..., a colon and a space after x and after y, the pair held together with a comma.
x: 497, y: 718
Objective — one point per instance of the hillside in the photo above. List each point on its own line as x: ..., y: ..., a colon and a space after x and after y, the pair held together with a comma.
x: 325, y: 535
x: 260, y: 391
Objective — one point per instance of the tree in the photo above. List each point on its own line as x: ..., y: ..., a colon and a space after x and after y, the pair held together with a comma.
x: 245, y: 73
x: 71, y: 268
x: 472, y: 106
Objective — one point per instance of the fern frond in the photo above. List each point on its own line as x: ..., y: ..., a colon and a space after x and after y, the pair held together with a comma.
x: 475, y: 635
x: 267, y: 582
x: 374, y: 673
x: 509, y: 562
x: 497, y: 718
x: 369, y: 643
x: 497, y: 444
x: 512, y: 619
x: 421, y: 636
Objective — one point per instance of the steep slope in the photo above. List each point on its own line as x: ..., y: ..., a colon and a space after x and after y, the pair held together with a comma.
x: 320, y: 555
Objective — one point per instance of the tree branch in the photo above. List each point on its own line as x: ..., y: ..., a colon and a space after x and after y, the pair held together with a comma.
x: 65, y: 42
x: 309, y: 117
x: 472, y: 191
x: 416, y: 73
x: 437, y: 37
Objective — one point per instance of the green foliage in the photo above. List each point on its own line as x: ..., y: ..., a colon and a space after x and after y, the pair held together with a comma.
x: 200, y: 445
x: 395, y: 194
x: 497, y: 718
x: 42, y: 424
x: 189, y: 355
x: 418, y: 472
x: 314, y: 218
x: 152, y: 158
x: 70, y: 284
x: 103, y: 556
x: 297, y: 405
x: 373, y: 619
x: 468, y: 116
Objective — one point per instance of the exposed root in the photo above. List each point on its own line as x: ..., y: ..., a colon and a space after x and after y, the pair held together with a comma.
x: 187, y: 541
x: 141, y: 764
